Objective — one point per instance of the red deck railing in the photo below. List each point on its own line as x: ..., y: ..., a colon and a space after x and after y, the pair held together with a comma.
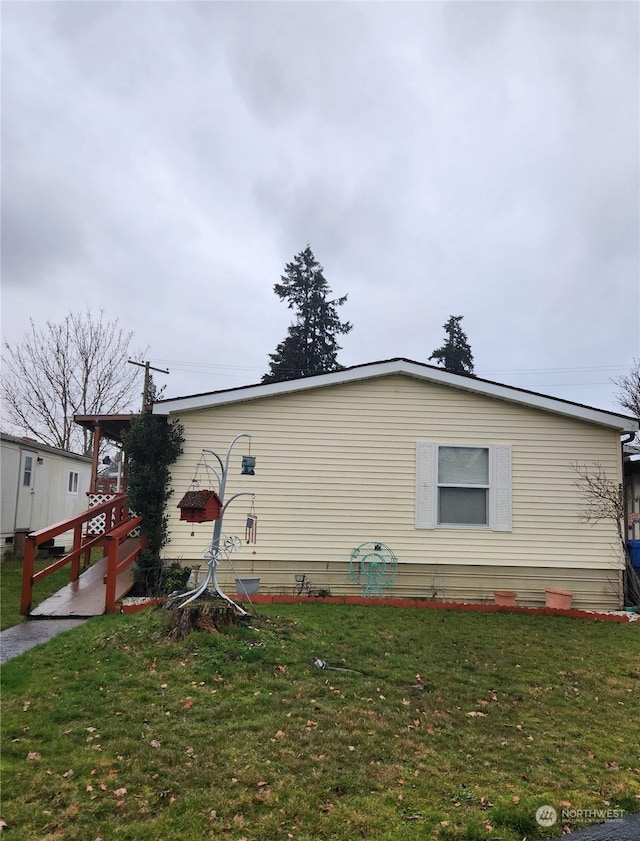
x: 119, y: 522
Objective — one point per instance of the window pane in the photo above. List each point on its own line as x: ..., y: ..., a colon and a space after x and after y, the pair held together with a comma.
x: 28, y: 467
x: 463, y: 465
x: 463, y: 506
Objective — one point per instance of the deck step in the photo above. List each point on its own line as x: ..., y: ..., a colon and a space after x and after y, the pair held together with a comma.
x: 85, y: 597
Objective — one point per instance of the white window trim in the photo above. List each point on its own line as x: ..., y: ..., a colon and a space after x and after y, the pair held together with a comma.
x: 27, y: 472
x: 486, y: 487
x: 73, y: 482
x: 499, y: 503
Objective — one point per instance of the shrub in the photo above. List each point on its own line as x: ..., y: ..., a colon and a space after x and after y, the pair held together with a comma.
x: 152, y: 445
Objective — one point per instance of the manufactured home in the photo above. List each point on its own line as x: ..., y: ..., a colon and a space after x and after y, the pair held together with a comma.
x: 41, y: 485
x: 467, y: 484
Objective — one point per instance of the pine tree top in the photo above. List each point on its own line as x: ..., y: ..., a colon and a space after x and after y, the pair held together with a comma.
x: 310, y: 346
x: 455, y: 354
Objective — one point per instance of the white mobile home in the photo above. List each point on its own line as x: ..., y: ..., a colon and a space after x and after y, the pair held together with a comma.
x: 41, y: 485
x: 467, y: 481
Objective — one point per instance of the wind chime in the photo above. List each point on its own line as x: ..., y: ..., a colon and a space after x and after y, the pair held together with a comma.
x: 251, y: 526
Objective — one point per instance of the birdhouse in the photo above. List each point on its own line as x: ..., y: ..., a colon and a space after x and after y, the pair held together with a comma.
x: 200, y: 506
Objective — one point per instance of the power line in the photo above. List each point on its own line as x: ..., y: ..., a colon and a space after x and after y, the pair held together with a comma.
x: 574, y: 370
x: 189, y: 365
x: 148, y: 367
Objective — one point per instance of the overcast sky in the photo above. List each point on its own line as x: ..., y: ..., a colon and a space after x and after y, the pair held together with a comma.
x: 164, y: 161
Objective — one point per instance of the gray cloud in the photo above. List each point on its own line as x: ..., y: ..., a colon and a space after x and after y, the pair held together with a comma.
x: 164, y: 161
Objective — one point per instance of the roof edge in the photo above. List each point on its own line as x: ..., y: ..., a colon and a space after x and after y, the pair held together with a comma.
x: 406, y: 367
x: 32, y: 444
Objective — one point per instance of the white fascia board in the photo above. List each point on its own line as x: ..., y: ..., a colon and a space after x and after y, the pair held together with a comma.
x: 37, y: 446
x: 537, y: 401
x: 254, y: 392
x: 419, y: 371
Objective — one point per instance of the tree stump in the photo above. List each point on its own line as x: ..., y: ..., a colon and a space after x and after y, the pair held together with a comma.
x: 207, y: 613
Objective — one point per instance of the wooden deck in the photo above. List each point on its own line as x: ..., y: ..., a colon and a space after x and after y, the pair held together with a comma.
x: 85, y: 597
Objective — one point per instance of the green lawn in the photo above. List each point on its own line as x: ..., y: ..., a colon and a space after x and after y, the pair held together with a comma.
x: 11, y: 584
x: 452, y: 725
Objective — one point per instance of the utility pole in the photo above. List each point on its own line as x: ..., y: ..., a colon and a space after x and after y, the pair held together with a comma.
x: 148, y: 367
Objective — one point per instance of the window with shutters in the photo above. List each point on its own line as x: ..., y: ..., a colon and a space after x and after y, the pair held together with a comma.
x: 463, y: 486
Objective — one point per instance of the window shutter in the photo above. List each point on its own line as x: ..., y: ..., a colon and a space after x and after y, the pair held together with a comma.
x: 425, y: 485
x: 501, y: 520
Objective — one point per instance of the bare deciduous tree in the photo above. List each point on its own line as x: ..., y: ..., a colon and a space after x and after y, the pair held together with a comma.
x: 603, y: 499
x: 78, y: 366
x: 628, y: 394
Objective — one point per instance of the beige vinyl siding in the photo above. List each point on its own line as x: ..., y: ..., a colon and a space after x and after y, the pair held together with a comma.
x: 336, y: 468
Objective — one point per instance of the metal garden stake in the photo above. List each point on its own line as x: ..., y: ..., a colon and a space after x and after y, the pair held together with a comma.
x: 214, y: 551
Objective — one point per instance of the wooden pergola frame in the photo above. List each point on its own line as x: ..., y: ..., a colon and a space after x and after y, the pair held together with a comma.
x: 110, y: 427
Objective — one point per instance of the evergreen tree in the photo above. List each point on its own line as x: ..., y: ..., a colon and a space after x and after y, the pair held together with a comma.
x: 152, y: 445
x: 455, y: 354
x: 310, y: 346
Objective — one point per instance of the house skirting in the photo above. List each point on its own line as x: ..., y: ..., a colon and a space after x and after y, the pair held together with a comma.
x: 592, y: 589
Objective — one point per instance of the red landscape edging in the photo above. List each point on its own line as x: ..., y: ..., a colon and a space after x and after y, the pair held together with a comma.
x: 572, y: 613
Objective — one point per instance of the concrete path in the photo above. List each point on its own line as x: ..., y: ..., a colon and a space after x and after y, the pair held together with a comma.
x: 27, y: 634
